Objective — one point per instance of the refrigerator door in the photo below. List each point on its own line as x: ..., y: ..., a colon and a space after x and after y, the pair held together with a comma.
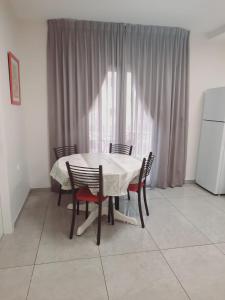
x: 210, y: 165
x: 214, y: 105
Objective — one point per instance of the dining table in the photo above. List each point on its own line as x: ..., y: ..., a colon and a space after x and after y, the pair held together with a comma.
x: 119, y: 171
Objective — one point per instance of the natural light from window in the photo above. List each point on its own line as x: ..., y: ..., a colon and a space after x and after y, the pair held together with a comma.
x: 104, y: 117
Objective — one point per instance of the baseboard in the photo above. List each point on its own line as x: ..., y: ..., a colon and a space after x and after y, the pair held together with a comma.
x: 40, y: 189
x: 21, y: 209
x: 190, y: 181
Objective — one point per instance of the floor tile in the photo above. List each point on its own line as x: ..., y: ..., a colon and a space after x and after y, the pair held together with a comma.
x: 201, y: 271
x: 20, y: 248
x: 124, y: 238
x: 14, y: 283
x: 216, y: 201
x: 55, y: 244
x: 80, y: 280
x: 178, y: 192
x: 169, y: 228
x: 221, y: 246
x: 39, y: 199
x: 198, y: 189
x: 154, y: 193
x: 133, y: 203
x: 131, y: 206
x: 141, y: 276
x: 209, y: 219
x: 180, y: 217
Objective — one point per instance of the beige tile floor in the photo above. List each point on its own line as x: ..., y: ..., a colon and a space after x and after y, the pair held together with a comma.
x: 179, y: 255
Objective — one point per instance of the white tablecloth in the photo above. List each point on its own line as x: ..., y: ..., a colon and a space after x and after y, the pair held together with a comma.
x: 118, y: 170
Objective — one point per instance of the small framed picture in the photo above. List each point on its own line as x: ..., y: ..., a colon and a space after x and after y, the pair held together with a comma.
x: 14, y: 79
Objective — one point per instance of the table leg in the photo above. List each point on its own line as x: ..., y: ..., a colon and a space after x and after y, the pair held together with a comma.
x: 94, y: 214
x: 123, y: 218
x: 117, y: 203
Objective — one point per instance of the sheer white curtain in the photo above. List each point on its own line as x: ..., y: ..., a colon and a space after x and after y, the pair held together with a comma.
x: 105, y: 118
x: 138, y: 121
x: 103, y: 115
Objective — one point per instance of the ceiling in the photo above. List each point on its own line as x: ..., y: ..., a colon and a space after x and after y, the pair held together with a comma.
x: 197, y: 15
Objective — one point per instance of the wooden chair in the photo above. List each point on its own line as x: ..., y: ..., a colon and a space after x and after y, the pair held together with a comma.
x: 137, y: 187
x: 61, y: 152
x: 83, y: 179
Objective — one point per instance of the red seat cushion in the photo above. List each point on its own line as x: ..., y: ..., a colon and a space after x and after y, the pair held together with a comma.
x: 84, y: 194
x: 133, y: 187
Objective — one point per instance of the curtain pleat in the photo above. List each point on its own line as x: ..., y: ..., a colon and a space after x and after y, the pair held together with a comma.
x: 121, y: 83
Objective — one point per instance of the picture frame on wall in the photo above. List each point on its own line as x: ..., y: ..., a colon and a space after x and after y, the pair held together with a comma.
x: 14, y: 79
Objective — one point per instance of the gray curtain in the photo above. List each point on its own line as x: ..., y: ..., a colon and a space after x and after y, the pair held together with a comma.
x: 123, y: 83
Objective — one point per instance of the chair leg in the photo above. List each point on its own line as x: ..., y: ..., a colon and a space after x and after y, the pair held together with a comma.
x: 117, y: 203
x: 140, y: 209
x: 111, y: 210
x: 73, y: 219
x: 128, y: 194
x: 99, y: 223
x: 86, y: 210
x: 78, y: 207
x: 145, y: 201
x: 60, y: 194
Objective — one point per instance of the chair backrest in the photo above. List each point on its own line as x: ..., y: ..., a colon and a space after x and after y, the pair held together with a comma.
x: 65, y: 151
x: 120, y: 148
x: 82, y: 177
x: 149, y: 163
x: 146, y: 167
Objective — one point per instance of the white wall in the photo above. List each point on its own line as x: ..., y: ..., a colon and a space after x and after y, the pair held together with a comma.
x: 14, y: 176
x: 32, y: 43
x: 207, y: 70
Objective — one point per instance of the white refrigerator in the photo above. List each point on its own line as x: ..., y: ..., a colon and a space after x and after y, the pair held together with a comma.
x: 211, y: 156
